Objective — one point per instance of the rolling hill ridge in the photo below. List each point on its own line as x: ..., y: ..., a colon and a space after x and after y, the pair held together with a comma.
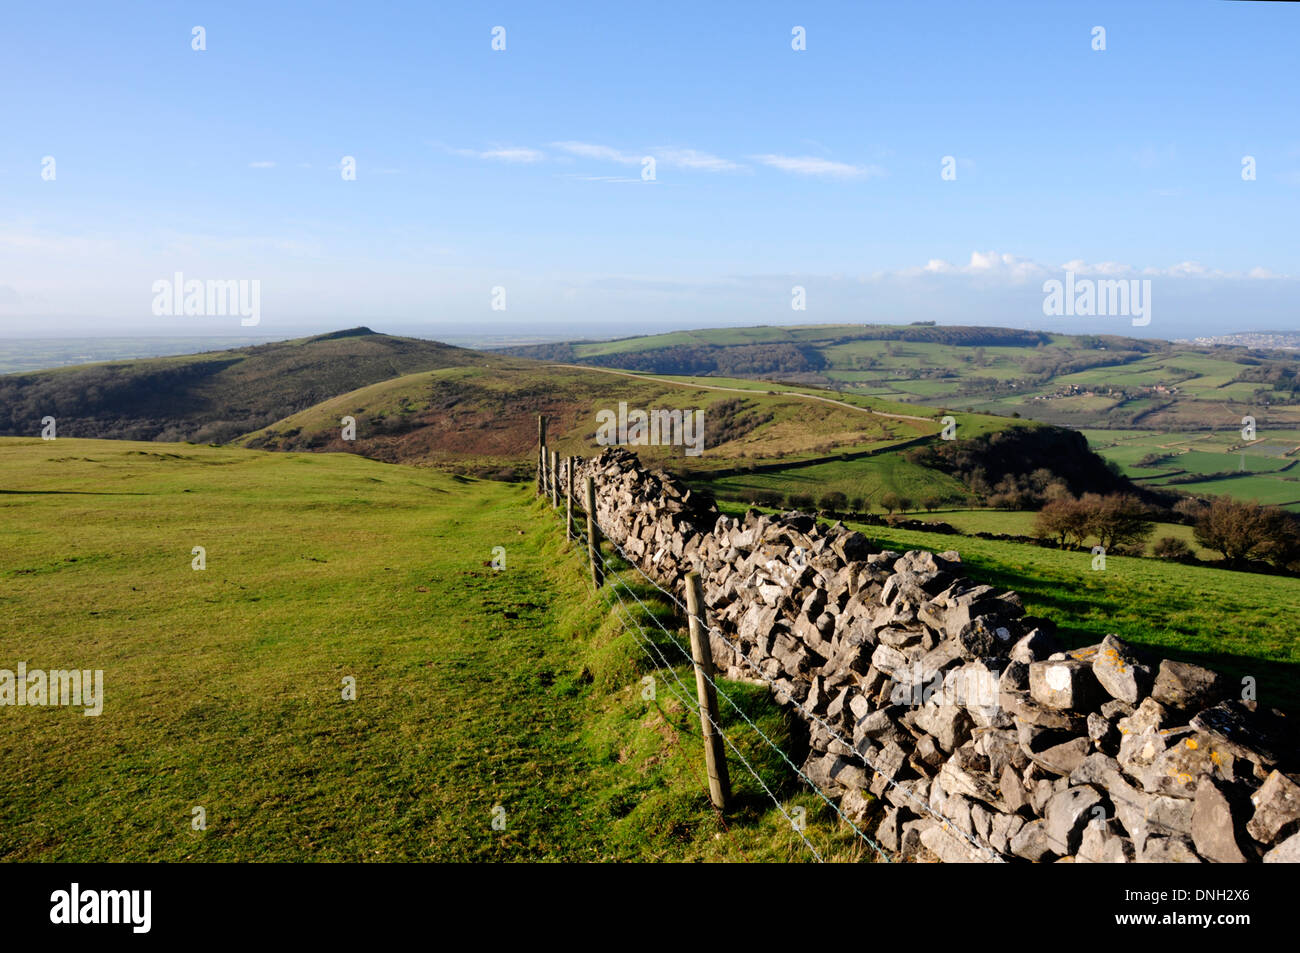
x: 215, y: 396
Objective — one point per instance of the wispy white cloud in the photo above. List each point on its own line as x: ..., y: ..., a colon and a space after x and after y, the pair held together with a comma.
x: 610, y: 178
x: 262, y: 164
x: 591, y: 150
x: 503, y: 154
x: 691, y: 159
x: 663, y: 155
x: 816, y: 166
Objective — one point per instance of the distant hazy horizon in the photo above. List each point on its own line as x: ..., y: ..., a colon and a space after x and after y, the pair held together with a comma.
x: 664, y: 168
x: 32, y: 353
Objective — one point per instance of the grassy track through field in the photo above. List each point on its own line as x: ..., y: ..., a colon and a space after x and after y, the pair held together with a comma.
x: 224, y: 687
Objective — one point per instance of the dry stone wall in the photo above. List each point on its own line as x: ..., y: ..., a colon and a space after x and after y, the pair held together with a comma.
x: 979, y: 735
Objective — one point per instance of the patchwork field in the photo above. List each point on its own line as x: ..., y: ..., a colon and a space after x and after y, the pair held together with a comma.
x: 1105, y: 381
x: 1266, y: 470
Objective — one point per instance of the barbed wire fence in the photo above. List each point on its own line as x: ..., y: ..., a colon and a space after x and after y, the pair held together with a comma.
x: 668, y: 672
x: 611, y: 579
x: 611, y: 575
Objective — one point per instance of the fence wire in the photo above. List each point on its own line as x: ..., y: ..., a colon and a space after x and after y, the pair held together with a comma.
x: 948, y: 824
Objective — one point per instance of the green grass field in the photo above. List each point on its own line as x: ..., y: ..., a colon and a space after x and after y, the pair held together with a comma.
x: 1021, y: 523
x: 224, y: 687
x: 870, y: 478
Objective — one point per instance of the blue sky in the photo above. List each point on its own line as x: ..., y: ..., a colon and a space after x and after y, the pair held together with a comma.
x: 522, y: 168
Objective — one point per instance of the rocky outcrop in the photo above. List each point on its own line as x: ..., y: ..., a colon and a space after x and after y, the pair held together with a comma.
x: 977, y: 734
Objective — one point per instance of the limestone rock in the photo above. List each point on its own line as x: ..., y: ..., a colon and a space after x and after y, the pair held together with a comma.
x: 1277, y: 809
x: 1035, y: 647
x: 1187, y: 687
x: 1032, y: 842
x: 1189, y: 757
x: 1120, y: 671
x: 1103, y: 842
x: 961, y: 705
x: 1214, y: 831
x: 1246, y: 733
x: 949, y: 725
x: 949, y: 847
x: 1066, y: 815
x: 1287, y: 852
x: 1068, y: 683
x: 889, y: 834
x: 1174, y: 849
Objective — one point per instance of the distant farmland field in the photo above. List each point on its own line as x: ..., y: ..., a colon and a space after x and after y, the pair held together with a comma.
x: 1266, y: 470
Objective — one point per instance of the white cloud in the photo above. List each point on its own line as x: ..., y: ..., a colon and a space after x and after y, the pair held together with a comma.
x: 262, y: 164
x: 1011, y: 269
x: 514, y: 154
x: 690, y: 159
x: 591, y: 150
x: 812, y: 165
x: 503, y: 154
x: 665, y: 155
x: 1107, y: 268
x: 983, y: 265
x: 609, y: 178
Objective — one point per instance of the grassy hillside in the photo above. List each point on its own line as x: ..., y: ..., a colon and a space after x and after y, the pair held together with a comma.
x: 1074, y: 380
x: 1161, y: 395
x: 869, y: 479
x: 223, y: 687
x: 216, y: 396
x: 488, y: 416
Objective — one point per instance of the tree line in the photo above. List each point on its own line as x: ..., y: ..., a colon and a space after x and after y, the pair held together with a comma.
x: 1241, y: 532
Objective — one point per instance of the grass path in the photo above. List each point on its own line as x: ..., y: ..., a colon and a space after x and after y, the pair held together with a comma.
x: 224, y: 687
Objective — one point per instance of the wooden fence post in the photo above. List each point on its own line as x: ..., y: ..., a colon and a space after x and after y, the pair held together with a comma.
x: 555, y: 482
x: 715, y: 756
x: 568, y: 498
x: 541, y: 454
x: 593, y: 536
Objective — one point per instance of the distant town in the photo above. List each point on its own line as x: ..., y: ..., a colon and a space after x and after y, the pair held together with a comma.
x: 1289, y: 340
